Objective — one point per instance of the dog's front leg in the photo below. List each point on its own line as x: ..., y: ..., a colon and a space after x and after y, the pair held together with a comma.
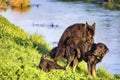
x: 93, y: 70
x: 89, y: 68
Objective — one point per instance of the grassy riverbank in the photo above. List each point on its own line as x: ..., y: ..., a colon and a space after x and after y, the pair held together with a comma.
x: 20, y: 54
x: 22, y: 4
x: 108, y: 4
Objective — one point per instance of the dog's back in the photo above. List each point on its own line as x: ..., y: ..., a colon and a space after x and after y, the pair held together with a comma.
x: 77, y: 32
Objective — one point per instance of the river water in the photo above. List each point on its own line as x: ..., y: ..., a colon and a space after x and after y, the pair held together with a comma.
x: 50, y: 18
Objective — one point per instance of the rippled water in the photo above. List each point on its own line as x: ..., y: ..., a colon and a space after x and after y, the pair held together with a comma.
x: 51, y: 18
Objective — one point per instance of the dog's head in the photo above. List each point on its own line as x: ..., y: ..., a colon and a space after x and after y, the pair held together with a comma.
x: 90, y: 32
x: 42, y: 63
x: 90, y: 29
x: 99, y: 52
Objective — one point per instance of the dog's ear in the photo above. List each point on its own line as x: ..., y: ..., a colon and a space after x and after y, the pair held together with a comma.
x: 93, y: 25
x: 107, y: 49
x: 92, y: 29
x: 86, y: 25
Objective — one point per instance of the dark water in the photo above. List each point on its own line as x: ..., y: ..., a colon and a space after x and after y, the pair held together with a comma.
x: 51, y: 18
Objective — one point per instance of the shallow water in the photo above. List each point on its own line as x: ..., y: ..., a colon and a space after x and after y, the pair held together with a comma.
x: 51, y: 18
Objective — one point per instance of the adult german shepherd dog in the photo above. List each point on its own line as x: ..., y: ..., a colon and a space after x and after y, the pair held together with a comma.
x: 76, y: 34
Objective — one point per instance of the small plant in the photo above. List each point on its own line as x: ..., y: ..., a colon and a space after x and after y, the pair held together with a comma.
x: 117, y: 76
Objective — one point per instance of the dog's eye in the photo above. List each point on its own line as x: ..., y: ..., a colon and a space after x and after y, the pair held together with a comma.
x: 98, y: 57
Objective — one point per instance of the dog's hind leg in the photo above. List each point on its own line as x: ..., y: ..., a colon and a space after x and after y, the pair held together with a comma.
x: 70, y: 56
x: 75, y: 63
x: 69, y: 60
x: 60, y: 53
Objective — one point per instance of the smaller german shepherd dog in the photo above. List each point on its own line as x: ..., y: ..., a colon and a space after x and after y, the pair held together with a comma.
x: 95, y: 56
x: 48, y: 65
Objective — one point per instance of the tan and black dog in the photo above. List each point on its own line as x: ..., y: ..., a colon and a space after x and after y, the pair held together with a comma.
x: 77, y: 34
x: 92, y: 57
x: 97, y: 54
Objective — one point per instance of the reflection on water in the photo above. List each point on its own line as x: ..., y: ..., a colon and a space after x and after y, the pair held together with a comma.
x: 50, y: 25
x: 51, y: 18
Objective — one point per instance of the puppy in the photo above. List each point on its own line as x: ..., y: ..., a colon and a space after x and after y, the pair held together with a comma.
x: 48, y: 65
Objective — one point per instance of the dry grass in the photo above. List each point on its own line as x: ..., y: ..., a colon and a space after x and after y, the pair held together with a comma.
x: 3, y: 4
x: 14, y: 3
x: 20, y: 3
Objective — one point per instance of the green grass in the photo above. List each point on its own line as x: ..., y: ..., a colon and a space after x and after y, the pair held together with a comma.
x: 20, y: 54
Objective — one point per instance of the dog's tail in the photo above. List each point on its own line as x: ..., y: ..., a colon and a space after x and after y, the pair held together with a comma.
x: 107, y: 49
